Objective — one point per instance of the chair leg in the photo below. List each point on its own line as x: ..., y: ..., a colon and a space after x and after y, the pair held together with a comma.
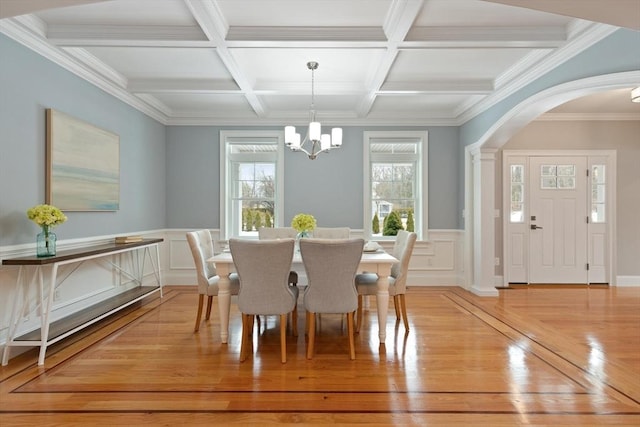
x: 311, y: 317
x: 359, y: 323
x: 294, y: 320
x: 352, y: 345
x: 245, y: 336
x: 199, y: 315
x: 283, y: 338
x: 209, y: 301
x: 396, y: 305
x: 404, y: 312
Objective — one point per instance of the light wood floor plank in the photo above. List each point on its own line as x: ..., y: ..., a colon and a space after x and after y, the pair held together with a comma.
x: 532, y: 356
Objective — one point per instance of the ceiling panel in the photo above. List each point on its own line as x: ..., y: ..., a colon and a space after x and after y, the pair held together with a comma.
x: 417, y: 62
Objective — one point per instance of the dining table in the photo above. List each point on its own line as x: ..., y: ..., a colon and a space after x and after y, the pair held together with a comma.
x: 378, y: 262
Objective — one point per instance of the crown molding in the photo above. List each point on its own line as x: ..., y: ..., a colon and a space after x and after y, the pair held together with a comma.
x: 14, y: 29
x: 589, y: 35
x: 93, y: 63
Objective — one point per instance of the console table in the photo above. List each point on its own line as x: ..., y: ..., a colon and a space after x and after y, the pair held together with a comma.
x: 52, y: 332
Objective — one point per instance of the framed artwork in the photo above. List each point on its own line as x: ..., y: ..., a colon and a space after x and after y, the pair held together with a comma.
x: 82, y: 165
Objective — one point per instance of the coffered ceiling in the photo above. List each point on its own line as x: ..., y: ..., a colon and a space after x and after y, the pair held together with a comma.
x: 228, y: 62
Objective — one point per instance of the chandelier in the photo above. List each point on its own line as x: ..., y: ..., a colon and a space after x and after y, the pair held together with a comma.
x: 315, y: 142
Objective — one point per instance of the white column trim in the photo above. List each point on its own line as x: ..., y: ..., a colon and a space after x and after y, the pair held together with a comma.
x: 484, y: 165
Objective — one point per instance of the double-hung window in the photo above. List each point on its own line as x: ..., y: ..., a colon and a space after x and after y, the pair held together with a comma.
x: 251, y: 181
x: 395, y: 184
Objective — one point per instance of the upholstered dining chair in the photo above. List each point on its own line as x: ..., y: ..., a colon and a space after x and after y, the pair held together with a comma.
x: 274, y: 233
x: 366, y: 282
x: 201, y: 246
x: 331, y: 232
x: 263, y: 269
x: 331, y: 266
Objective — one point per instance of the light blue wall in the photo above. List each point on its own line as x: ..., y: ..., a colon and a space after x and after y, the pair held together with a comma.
x: 616, y: 53
x: 330, y: 187
x: 29, y: 84
x: 169, y: 175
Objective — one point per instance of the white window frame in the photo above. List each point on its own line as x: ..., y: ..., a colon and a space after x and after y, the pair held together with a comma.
x: 421, y: 220
x: 254, y: 137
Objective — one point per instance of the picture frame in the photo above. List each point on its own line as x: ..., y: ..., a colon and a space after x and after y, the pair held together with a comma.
x: 82, y: 165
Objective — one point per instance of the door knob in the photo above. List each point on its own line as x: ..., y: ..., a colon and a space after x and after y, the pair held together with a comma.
x: 535, y: 227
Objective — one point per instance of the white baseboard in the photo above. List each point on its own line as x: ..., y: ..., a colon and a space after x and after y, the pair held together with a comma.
x: 628, y: 281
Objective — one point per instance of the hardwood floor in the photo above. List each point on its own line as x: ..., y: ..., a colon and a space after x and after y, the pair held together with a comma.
x: 532, y: 356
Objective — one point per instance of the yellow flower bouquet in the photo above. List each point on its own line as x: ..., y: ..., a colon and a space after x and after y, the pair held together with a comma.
x: 303, y: 223
x: 46, y: 216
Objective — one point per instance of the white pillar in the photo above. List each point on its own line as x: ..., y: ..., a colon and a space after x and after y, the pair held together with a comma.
x: 484, y: 233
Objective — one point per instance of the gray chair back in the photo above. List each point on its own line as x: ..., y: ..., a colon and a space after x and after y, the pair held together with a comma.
x: 402, y: 250
x: 331, y: 233
x: 201, y: 245
x: 263, y: 269
x: 265, y: 233
x: 331, y: 267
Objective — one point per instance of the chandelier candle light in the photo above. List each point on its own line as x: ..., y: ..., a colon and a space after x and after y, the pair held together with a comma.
x: 315, y: 142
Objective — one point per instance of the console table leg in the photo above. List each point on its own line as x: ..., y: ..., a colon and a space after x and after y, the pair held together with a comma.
x: 46, y: 321
x: 14, y: 319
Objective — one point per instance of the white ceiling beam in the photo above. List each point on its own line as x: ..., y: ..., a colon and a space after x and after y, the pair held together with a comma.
x: 127, y: 35
x: 467, y: 87
x: 302, y: 88
x: 400, y: 17
x: 182, y: 85
x: 210, y: 18
x: 498, y: 37
x: 307, y: 34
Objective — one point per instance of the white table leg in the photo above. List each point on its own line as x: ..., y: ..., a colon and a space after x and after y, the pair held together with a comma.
x: 20, y: 289
x: 224, y: 300
x: 382, y: 299
x: 46, y: 312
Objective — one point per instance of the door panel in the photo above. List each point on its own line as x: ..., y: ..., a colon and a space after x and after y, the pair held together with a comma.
x: 558, y: 220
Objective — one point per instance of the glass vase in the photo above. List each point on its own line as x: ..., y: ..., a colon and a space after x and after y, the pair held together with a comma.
x: 46, y: 242
x: 301, y: 235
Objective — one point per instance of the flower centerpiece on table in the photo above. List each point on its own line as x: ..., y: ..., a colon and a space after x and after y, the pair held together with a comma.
x: 47, y: 217
x: 304, y: 224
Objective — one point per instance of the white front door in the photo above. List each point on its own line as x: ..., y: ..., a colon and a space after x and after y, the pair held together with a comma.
x: 558, y: 220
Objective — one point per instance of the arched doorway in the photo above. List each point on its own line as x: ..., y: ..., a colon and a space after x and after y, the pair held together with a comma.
x: 480, y: 183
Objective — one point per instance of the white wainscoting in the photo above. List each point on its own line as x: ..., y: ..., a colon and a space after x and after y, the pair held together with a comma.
x: 435, y: 262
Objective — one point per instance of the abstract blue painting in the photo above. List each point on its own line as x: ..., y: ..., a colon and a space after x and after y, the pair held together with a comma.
x: 83, y: 165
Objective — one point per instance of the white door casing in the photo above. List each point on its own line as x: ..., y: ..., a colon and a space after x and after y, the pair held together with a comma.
x: 552, y: 254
